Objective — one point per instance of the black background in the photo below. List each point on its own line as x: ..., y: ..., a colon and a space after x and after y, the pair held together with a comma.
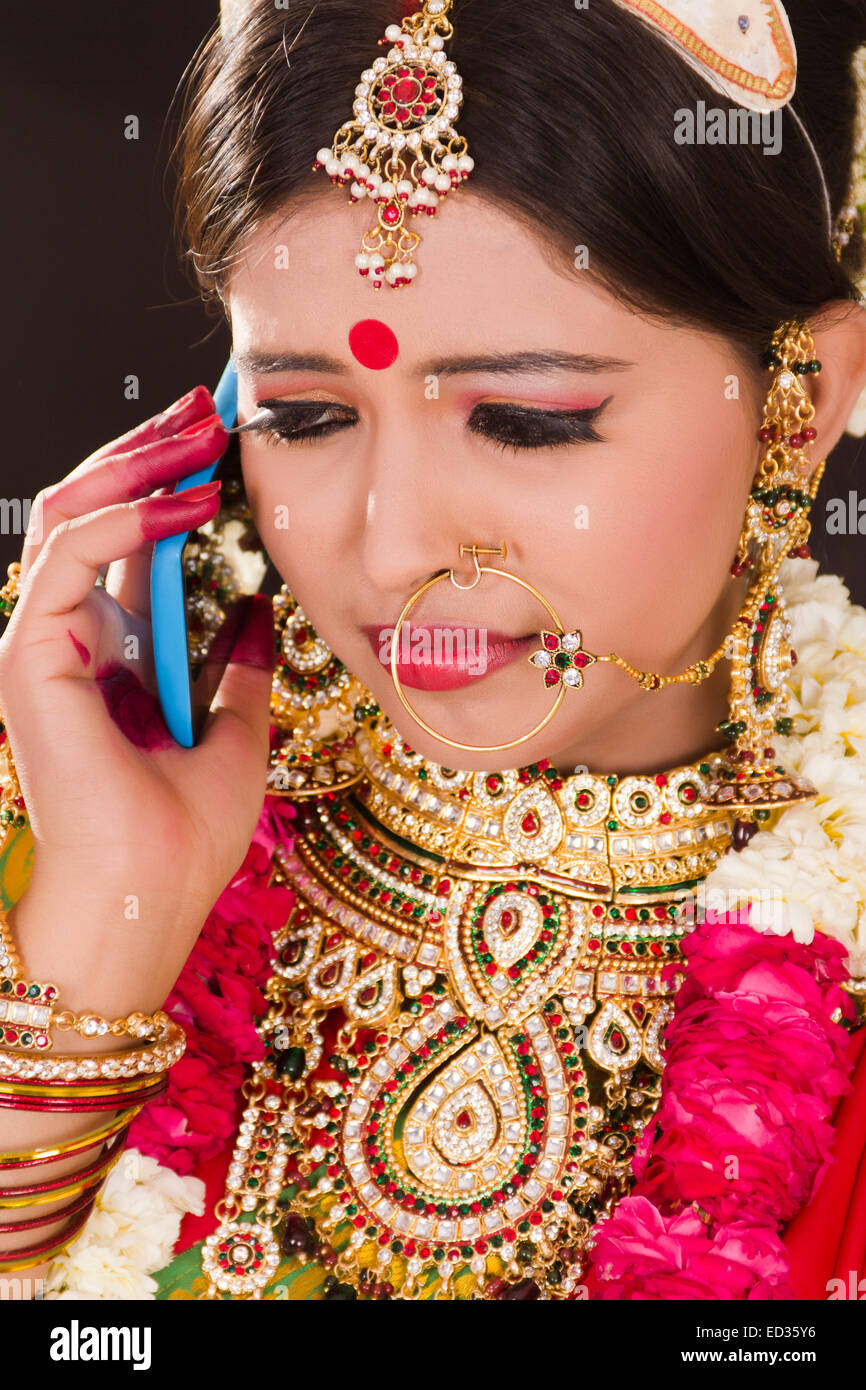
x: 92, y: 286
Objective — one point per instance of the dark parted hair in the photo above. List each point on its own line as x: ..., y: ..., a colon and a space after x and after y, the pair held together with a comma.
x: 570, y: 115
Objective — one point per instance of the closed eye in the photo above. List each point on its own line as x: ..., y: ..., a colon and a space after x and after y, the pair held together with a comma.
x: 298, y: 422
x: 503, y: 424
x: 514, y: 426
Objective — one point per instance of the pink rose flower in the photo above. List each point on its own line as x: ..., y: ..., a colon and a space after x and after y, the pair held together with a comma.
x: 753, y: 1066
x: 217, y: 1000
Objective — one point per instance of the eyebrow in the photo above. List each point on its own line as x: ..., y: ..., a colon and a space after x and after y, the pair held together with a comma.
x: 269, y: 364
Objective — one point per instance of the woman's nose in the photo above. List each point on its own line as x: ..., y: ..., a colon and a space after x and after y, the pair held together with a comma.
x: 411, y: 519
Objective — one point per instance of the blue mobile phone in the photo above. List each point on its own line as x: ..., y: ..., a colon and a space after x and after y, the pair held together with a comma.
x: 197, y: 580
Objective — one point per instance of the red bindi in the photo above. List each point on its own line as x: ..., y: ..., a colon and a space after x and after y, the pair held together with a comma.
x: 374, y: 344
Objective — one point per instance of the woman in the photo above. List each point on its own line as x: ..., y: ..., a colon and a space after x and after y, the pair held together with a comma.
x: 425, y: 1006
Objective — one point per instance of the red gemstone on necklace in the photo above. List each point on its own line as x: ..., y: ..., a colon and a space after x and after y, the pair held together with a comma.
x: 463, y: 1120
x: 405, y: 91
x: 530, y: 825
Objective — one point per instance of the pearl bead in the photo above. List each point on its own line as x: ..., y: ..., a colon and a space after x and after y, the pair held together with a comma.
x: 323, y: 155
x: 357, y: 191
x: 404, y: 188
x: 443, y: 183
x: 333, y: 166
x: 449, y: 162
x: 466, y: 163
x: 393, y: 32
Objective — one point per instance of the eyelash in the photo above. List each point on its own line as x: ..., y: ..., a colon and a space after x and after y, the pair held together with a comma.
x: 503, y: 426
x: 534, y: 429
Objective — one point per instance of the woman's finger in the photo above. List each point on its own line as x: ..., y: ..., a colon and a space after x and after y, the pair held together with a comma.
x: 74, y: 553
x: 122, y: 478
x: 195, y: 405
x: 127, y: 581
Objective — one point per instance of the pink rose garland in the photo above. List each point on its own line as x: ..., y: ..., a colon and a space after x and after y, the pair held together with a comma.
x: 217, y: 1000
x: 754, y: 1065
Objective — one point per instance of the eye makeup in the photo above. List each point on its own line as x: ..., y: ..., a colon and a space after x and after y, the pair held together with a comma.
x: 508, y: 425
x: 505, y: 424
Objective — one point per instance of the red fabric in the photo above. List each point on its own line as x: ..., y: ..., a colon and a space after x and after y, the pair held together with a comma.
x: 213, y: 1174
x: 827, y: 1239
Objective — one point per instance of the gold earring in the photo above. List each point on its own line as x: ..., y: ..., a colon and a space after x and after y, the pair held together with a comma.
x: 316, y: 708
x: 777, y: 527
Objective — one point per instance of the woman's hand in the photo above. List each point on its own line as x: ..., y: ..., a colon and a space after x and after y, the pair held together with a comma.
x: 131, y: 831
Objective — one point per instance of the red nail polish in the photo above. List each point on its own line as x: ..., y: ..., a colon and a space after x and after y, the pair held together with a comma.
x: 192, y: 404
x: 199, y: 492
x: 165, y: 516
x: 213, y: 422
x: 180, y: 405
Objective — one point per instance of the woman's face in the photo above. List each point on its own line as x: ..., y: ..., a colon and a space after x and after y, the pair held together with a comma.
x: 611, y: 454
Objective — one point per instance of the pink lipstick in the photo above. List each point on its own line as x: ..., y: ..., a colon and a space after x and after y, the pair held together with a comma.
x: 445, y: 656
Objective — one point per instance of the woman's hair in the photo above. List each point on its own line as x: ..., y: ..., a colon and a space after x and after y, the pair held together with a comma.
x: 570, y: 116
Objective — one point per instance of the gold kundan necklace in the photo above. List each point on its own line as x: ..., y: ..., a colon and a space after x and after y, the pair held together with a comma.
x: 464, y: 1039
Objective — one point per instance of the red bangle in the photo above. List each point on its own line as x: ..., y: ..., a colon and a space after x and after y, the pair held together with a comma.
x: 81, y: 1105
x: 36, y: 1254
x: 37, y: 1188
x: 71, y: 1209
x: 37, y: 1157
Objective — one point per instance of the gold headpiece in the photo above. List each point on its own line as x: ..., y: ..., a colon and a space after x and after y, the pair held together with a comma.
x: 401, y: 149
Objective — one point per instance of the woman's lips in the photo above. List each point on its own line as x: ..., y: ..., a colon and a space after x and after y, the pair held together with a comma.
x: 445, y: 656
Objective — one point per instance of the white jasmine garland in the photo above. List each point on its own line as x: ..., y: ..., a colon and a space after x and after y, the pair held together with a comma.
x: 813, y: 864
x: 130, y: 1234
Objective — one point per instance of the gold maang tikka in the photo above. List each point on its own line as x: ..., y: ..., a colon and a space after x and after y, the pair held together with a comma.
x: 400, y: 148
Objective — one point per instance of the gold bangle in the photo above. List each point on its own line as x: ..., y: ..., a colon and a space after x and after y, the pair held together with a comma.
x: 71, y: 1189
x: 46, y: 1253
x: 28, y: 1009
x: 69, y: 1146
x: 145, y: 1027
x: 110, y: 1066
x: 84, y: 1092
